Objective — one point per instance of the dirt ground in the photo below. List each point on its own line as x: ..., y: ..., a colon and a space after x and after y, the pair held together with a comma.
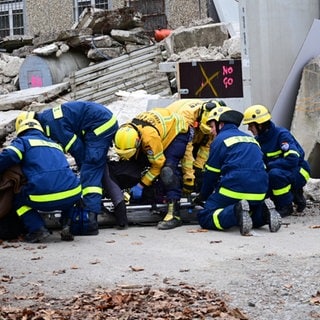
x: 262, y: 276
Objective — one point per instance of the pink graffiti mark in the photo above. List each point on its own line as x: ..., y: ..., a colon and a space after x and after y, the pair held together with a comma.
x: 227, y: 81
x: 36, y: 81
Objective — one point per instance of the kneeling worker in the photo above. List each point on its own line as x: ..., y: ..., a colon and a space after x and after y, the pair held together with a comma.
x: 235, y: 181
x: 51, y: 184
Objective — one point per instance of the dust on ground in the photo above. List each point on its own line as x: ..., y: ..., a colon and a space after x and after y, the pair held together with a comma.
x: 184, y: 273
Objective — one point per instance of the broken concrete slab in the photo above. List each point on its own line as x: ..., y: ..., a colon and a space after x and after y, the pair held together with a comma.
x: 20, y: 99
x: 306, y: 118
x: 199, y: 36
x: 7, y: 122
x: 103, y: 21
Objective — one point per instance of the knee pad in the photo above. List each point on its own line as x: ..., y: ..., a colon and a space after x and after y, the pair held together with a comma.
x: 169, y: 178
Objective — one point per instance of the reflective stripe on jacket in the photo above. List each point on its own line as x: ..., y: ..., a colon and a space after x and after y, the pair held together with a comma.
x: 282, y: 150
x: 69, y: 123
x: 44, y: 165
x: 235, y: 166
x: 190, y: 109
x: 158, y: 128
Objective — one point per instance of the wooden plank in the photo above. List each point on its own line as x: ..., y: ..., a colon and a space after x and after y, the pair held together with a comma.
x: 106, y: 64
x: 113, y: 68
x: 102, y: 84
x: 168, y: 66
x: 134, y: 71
x: 114, y: 80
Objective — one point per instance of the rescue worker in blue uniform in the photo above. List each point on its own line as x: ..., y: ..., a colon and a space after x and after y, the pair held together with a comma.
x: 84, y: 129
x: 284, y: 158
x: 235, y: 181
x: 51, y: 184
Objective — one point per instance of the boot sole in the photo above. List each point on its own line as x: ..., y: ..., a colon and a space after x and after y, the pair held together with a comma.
x: 39, y: 239
x: 245, y: 219
x: 167, y: 225
x: 274, y: 216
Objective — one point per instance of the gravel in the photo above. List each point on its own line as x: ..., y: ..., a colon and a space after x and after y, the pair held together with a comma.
x: 265, y: 275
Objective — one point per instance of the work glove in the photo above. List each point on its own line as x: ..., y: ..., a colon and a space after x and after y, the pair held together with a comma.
x: 136, y: 191
x: 188, y: 186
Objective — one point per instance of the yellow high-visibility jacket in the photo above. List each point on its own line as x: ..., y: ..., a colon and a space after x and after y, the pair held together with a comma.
x: 190, y: 109
x: 157, y: 129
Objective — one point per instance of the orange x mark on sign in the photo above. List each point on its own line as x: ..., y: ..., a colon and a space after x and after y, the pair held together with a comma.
x: 207, y: 82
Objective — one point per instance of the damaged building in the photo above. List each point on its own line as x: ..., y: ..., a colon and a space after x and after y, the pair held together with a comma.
x: 271, y: 68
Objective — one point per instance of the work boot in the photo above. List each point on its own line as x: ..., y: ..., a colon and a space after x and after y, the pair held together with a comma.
x: 285, y: 210
x: 271, y: 215
x: 172, y: 218
x: 92, y: 227
x: 37, y: 236
x: 242, y: 210
x: 120, y: 213
x: 299, y: 200
x: 66, y: 234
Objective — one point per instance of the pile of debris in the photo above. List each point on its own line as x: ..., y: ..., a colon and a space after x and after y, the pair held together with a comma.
x: 102, y: 35
x: 182, y: 302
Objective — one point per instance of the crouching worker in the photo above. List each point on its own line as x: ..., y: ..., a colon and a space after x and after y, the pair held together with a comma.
x: 162, y: 136
x: 236, y: 175
x: 51, y: 184
x: 284, y: 158
x: 84, y: 129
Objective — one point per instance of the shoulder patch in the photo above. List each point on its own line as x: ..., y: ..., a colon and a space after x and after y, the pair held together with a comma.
x: 284, y: 146
x: 149, y: 152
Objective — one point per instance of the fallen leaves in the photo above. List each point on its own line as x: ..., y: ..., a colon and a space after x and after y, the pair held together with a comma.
x: 315, y: 299
x: 57, y: 272
x: 199, y: 230
x: 315, y: 226
x: 141, y: 302
x: 6, y: 278
x: 136, y: 269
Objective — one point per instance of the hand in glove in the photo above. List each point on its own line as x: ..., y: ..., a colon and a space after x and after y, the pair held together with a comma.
x: 136, y: 191
x: 188, y: 186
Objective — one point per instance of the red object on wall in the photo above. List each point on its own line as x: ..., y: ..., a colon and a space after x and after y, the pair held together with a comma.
x: 160, y: 34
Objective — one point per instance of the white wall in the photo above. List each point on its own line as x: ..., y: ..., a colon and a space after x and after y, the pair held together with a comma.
x: 272, y: 33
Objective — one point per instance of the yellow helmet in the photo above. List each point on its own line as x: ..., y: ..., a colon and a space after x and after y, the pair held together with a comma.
x: 226, y: 114
x: 205, y: 129
x: 28, y: 124
x: 126, y: 141
x: 207, y: 107
x: 24, y: 116
x: 257, y: 113
x: 215, y: 113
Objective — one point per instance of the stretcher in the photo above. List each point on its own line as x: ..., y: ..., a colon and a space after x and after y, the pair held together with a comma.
x: 138, y: 214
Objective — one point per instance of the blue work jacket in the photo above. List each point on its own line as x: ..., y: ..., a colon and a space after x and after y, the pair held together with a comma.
x: 235, y: 166
x: 281, y: 150
x: 73, y: 124
x: 45, y: 166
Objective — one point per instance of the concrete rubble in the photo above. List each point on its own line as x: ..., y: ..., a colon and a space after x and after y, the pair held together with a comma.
x: 306, y: 119
x: 204, y: 40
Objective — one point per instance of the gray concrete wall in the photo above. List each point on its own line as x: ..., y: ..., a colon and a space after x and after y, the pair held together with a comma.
x: 272, y: 33
x: 183, y: 12
x: 48, y: 16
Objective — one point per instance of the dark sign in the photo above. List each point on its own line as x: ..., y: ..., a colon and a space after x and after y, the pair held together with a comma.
x: 210, y: 79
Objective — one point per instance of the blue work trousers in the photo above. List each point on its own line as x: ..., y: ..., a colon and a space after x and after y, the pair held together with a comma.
x: 174, y: 153
x: 93, y: 168
x: 219, y: 213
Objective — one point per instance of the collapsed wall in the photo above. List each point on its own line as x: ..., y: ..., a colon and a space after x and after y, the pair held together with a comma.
x: 306, y: 119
